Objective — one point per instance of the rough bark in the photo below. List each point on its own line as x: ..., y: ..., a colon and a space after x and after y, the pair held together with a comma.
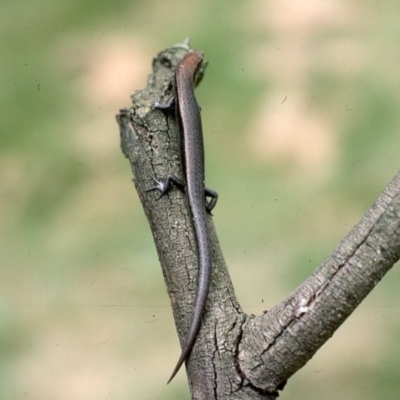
x: 237, y: 356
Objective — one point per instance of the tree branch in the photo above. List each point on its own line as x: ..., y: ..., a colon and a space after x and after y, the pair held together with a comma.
x: 302, y: 323
x: 237, y: 356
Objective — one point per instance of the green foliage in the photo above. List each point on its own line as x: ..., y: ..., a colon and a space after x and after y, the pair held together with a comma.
x: 82, y: 293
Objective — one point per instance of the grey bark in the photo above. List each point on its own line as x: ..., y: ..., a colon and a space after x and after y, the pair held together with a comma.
x: 238, y: 356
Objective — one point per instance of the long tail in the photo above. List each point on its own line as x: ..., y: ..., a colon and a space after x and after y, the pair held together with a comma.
x: 200, y: 225
x: 192, y: 335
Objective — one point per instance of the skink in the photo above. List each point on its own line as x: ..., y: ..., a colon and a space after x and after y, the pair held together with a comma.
x: 188, y: 115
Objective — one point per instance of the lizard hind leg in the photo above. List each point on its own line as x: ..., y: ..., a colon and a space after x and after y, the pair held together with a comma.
x: 213, y: 195
x: 165, y: 185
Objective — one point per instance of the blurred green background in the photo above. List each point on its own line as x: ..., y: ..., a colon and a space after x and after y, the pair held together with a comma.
x: 301, y: 118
